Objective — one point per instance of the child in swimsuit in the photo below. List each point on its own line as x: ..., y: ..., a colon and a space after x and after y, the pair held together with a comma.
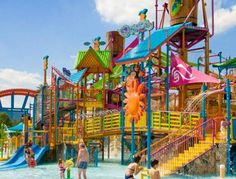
x: 32, y: 161
x: 133, y: 168
x: 154, y: 173
x: 62, y: 168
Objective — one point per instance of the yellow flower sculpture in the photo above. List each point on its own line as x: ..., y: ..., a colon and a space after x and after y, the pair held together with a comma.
x: 134, y: 98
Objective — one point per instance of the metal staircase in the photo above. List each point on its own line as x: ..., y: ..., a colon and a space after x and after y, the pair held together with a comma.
x: 186, y: 148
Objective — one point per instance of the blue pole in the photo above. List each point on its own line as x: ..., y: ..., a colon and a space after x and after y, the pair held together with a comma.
x: 122, y: 117
x: 42, y: 103
x: 228, y: 116
x: 149, y: 115
x: 220, y: 56
x: 133, y: 139
x: 34, y: 116
x: 198, y: 63
x: 12, y: 105
x: 167, y: 76
x: 57, y: 106
x: 203, y: 110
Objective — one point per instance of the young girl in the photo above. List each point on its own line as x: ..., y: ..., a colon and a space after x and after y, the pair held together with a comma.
x: 62, y: 168
x: 133, y: 168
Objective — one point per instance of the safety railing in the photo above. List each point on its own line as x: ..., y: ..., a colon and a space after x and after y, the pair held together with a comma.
x: 171, y: 120
x: 160, y: 120
x: 186, y: 148
x: 8, y: 146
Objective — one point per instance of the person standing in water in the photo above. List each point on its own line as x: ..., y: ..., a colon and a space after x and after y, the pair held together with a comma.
x: 154, y: 173
x: 82, y: 161
x: 133, y: 168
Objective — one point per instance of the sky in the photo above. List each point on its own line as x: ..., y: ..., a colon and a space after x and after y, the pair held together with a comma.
x: 31, y: 29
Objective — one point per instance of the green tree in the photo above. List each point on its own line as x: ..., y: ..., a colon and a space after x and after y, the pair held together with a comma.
x: 4, y: 119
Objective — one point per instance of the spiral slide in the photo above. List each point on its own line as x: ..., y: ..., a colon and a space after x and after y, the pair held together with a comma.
x: 18, y: 159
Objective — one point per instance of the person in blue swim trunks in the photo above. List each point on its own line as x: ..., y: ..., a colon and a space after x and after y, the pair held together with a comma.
x: 133, y: 168
x: 82, y: 161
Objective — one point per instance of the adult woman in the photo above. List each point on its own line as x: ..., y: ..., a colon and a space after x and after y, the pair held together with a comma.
x: 82, y: 161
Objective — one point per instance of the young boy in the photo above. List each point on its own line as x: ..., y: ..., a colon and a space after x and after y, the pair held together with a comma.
x: 154, y: 173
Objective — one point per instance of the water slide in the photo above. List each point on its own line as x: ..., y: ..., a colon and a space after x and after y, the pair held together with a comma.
x: 18, y: 159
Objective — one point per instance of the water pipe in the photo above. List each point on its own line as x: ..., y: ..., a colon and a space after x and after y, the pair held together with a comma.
x: 167, y: 76
x: 132, y: 140
x: 122, y: 118
x: 228, y: 117
x: 149, y: 115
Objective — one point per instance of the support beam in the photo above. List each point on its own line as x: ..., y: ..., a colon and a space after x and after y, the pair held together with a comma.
x: 0, y: 104
x: 149, y: 115
x: 25, y: 101
x: 167, y: 76
x: 12, y: 100
x: 34, y: 117
x: 122, y: 117
x: 207, y: 51
x: 228, y: 117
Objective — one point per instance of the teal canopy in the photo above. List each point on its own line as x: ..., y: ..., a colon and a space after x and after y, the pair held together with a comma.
x: 18, y: 127
x: 76, y: 77
x: 157, y: 39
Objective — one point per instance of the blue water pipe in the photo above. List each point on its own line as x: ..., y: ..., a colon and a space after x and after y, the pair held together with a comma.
x: 42, y: 104
x: 203, y: 110
x: 228, y: 117
x: 34, y: 117
x: 57, y: 105
x: 122, y: 116
x: 167, y: 76
x: 96, y: 157
x: 132, y: 139
x: 220, y: 57
x: 149, y: 132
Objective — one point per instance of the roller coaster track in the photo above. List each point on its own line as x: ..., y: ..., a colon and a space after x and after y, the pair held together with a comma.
x: 18, y: 91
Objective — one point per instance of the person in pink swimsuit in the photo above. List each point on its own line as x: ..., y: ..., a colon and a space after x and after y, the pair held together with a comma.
x: 62, y: 168
x: 82, y: 161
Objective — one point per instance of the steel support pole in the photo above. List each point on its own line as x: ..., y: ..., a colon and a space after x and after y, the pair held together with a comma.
x: 228, y: 117
x: 122, y: 117
x: 167, y: 76
x: 149, y: 132
x: 203, y: 110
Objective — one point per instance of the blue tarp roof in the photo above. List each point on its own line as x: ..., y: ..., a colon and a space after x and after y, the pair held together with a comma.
x: 18, y: 127
x: 141, y: 51
x: 76, y: 77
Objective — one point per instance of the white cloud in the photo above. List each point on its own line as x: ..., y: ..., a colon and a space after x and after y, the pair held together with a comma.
x: 126, y: 12
x: 225, y: 19
x: 123, y: 11
x: 10, y: 78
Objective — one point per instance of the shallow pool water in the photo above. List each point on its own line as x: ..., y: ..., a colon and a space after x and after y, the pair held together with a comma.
x: 50, y: 171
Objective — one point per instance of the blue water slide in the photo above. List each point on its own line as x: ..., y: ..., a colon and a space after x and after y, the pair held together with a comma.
x: 18, y: 159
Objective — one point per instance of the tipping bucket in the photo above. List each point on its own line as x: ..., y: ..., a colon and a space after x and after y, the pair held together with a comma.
x: 115, y: 42
x: 179, y: 10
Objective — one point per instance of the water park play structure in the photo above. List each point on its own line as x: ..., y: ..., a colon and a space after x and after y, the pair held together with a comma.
x: 138, y: 98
